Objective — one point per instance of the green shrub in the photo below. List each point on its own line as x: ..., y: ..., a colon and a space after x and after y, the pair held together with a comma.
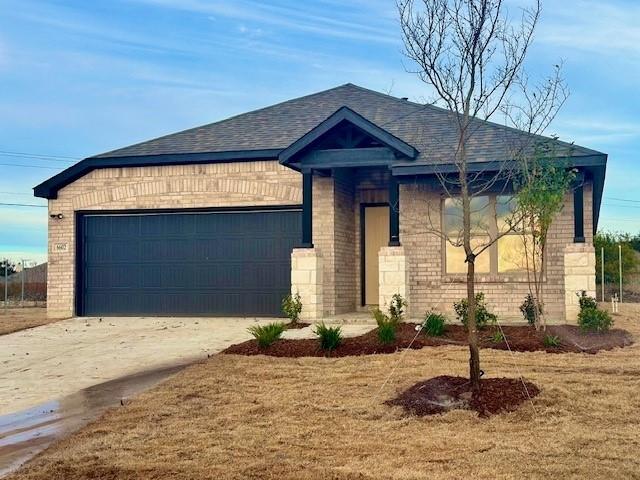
x: 483, y: 316
x: 396, y: 308
x: 594, y: 320
x: 388, y: 323
x: 528, y: 309
x: 497, y: 337
x: 330, y: 337
x: 551, y: 341
x: 591, y: 318
x: 267, y: 334
x: 387, y: 326
x: 586, y: 301
x: 291, y: 307
x: 387, y: 333
x: 434, y: 324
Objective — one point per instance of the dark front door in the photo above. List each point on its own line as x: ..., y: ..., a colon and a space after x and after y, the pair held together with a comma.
x: 235, y: 263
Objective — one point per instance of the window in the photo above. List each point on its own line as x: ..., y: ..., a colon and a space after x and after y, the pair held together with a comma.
x: 491, y: 215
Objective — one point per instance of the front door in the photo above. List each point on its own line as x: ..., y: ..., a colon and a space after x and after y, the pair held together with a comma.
x: 376, y: 236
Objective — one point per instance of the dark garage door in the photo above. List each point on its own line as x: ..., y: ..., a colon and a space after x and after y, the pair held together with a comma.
x: 196, y: 263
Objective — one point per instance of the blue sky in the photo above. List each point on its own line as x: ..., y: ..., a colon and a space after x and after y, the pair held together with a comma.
x: 78, y: 78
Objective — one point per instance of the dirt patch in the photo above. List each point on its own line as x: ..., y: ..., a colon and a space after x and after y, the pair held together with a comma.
x: 16, y: 319
x: 518, y: 339
x: 296, y: 326
x: 591, y: 342
x: 441, y: 394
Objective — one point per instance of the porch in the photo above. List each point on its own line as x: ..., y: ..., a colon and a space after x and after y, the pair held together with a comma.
x: 365, y: 235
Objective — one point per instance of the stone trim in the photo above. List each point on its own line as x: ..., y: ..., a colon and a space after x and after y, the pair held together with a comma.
x: 393, y: 275
x: 579, y: 275
x: 307, y: 281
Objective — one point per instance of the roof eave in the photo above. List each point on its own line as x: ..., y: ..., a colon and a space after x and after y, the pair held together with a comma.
x: 50, y: 187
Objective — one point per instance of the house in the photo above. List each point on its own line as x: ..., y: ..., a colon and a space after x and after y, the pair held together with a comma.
x: 331, y: 195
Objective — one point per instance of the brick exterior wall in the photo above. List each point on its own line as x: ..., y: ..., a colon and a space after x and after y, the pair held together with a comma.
x: 334, y: 236
x: 336, y: 229
x: 431, y: 288
x: 181, y: 186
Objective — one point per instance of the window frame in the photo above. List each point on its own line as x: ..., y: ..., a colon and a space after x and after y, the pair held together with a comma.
x: 493, y: 274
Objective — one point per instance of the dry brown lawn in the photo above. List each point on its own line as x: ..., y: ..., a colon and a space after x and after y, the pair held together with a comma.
x: 16, y: 319
x: 260, y: 417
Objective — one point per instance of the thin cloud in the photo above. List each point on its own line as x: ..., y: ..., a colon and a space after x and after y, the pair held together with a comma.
x: 286, y: 17
x: 609, y: 29
x: 598, y: 132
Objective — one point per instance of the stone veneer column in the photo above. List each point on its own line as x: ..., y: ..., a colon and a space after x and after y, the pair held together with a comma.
x: 306, y: 279
x: 579, y: 275
x: 393, y: 275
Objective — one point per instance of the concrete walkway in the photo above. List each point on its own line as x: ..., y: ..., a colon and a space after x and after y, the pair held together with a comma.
x: 55, y: 360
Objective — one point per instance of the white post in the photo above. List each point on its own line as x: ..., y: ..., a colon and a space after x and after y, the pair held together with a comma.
x: 602, y: 272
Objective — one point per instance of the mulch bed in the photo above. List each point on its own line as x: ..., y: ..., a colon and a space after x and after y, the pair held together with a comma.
x: 521, y: 339
x: 444, y: 393
x: 296, y: 326
x: 591, y: 342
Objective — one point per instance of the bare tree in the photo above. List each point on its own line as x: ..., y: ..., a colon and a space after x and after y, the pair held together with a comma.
x: 472, y: 54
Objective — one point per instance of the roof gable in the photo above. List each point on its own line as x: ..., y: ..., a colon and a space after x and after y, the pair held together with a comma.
x: 341, y: 116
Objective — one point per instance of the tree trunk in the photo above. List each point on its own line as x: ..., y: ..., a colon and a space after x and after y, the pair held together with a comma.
x: 474, y: 352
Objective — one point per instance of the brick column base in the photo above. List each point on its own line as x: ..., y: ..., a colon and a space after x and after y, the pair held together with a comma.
x: 306, y: 279
x: 579, y: 275
x: 393, y: 275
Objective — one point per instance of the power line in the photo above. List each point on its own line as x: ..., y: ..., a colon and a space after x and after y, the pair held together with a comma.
x: 609, y: 219
x: 622, y: 199
x: 37, y: 155
x: 41, y: 159
x: 28, y: 166
x: 22, y: 205
x: 16, y: 193
x: 620, y: 206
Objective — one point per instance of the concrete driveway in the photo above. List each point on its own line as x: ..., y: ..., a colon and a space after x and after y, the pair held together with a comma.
x: 55, y: 360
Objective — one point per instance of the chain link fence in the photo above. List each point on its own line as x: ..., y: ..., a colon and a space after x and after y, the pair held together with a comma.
x: 23, y: 283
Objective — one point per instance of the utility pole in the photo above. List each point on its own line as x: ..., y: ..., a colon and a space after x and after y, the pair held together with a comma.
x: 22, y: 278
x: 620, y: 268
x: 6, y: 283
x: 602, y: 271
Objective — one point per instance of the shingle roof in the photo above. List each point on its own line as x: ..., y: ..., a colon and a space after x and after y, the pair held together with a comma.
x: 428, y: 128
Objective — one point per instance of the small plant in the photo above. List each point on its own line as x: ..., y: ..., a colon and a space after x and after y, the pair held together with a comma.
x: 586, y: 301
x: 594, y: 320
x: 291, y: 307
x: 388, y: 323
x: 396, y: 308
x: 434, y: 324
x: 497, y: 337
x: 591, y: 318
x: 528, y: 309
x: 387, y: 326
x: 483, y: 316
x: 387, y: 333
x: 330, y: 337
x: 265, y: 335
x: 551, y: 341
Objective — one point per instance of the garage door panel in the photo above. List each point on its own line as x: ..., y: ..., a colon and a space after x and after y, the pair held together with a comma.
x: 217, y: 263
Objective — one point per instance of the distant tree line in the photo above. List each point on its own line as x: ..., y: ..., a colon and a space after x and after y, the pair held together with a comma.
x: 630, y: 255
